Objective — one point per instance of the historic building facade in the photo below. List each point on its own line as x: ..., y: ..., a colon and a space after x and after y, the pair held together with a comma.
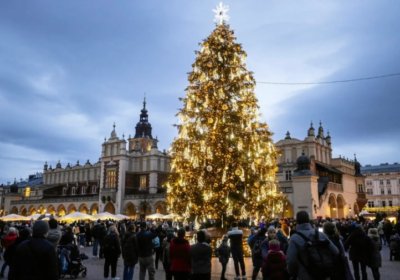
x: 130, y: 174
x: 382, y: 184
x: 314, y: 181
x: 127, y: 179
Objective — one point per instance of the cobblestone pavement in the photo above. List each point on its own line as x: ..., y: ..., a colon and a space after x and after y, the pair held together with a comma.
x: 390, y: 269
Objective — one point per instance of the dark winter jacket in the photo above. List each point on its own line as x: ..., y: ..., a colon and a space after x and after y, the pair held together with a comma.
x: 54, y: 236
x: 111, y: 246
x: 35, y: 259
x: 376, y: 259
x: 236, y: 238
x: 256, y: 253
x: 341, y: 271
x: 10, y: 254
x: 201, y: 254
x: 145, y: 243
x: 360, y: 245
x: 179, y: 253
x: 130, y: 249
x: 223, y: 252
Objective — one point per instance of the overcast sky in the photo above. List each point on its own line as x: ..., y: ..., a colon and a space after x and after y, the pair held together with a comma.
x: 69, y: 69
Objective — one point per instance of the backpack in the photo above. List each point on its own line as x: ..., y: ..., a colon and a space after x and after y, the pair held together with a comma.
x: 318, y: 260
x: 257, y: 247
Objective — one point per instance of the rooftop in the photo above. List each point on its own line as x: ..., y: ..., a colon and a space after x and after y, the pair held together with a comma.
x: 381, y: 168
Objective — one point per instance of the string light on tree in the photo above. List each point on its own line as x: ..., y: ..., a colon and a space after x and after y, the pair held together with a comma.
x: 223, y: 160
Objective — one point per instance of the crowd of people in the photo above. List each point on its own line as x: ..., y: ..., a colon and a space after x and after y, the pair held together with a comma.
x: 280, y: 249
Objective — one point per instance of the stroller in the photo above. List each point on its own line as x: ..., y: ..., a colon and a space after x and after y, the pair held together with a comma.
x: 70, y: 261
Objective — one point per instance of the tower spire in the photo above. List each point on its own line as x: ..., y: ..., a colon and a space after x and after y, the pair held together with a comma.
x: 143, y: 127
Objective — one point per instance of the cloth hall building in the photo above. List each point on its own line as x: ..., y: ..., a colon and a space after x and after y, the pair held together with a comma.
x: 128, y: 179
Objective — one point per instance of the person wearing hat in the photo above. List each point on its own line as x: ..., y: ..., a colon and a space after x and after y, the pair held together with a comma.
x: 376, y: 259
x: 35, y: 258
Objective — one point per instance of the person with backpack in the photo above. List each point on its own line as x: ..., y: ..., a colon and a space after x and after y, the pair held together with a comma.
x: 255, y: 244
x: 129, y: 252
x: 310, y: 253
x: 112, y: 251
x: 223, y: 253
x: 274, y: 263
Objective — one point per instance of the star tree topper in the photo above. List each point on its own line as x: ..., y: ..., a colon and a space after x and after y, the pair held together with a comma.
x: 221, y: 13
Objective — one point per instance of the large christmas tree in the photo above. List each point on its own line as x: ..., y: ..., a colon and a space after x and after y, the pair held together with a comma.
x: 223, y: 160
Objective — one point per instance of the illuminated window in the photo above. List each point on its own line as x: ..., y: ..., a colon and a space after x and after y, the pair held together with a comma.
x: 27, y: 192
x: 111, y: 181
x: 143, y: 183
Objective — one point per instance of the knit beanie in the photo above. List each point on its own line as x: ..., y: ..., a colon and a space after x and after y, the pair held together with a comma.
x: 40, y: 228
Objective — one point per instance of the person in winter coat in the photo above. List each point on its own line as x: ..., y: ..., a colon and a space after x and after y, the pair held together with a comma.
x: 54, y: 235
x: 145, y: 249
x: 223, y: 252
x: 201, y: 254
x: 360, y: 250
x: 274, y: 263
x: 35, y: 258
x: 166, y: 256
x: 129, y: 252
x: 23, y: 234
x: 67, y: 236
x: 98, y: 232
x: 375, y: 261
x: 342, y: 269
x: 235, y: 236
x: 112, y: 251
x: 294, y: 258
x: 255, y: 244
x: 7, y: 241
x: 179, y: 253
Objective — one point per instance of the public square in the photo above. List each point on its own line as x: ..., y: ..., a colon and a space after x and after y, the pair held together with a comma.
x: 389, y: 270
